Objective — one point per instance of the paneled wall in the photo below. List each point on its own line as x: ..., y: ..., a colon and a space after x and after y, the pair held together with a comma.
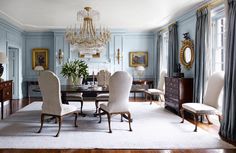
x: 125, y: 41
x: 37, y: 40
x: 11, y: 36
x: 187, y: 23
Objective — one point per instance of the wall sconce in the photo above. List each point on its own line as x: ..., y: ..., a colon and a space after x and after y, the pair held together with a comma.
x: 119, y: 55
x: 60, y: 56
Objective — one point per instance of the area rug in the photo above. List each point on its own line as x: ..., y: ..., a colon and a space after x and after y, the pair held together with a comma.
x: 153, y: 128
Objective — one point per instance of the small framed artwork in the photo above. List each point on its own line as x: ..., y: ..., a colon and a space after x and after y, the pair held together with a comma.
x: 40, y: 58
x: 138, y: 59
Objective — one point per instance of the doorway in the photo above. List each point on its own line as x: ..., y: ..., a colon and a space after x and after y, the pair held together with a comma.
x: 13, y: 69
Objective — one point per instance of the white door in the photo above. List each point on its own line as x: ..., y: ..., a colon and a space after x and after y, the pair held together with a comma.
x: 13, y: 69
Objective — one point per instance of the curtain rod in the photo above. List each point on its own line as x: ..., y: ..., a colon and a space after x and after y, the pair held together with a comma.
x: 211, y: 4
x: 166, y: 27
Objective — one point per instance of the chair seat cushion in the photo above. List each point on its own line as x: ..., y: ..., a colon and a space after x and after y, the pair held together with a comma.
x: 104, y: 96
x: 114, y: 108
x: 154, y: 92
x: 68, y: 109
x: 200, y: 108
x: 74, y: 96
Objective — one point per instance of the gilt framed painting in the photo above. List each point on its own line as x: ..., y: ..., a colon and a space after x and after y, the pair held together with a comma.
x: 138, y: 59
x: 40, y: 58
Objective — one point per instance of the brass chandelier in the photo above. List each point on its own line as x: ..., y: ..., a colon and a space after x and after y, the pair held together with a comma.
x: 88, y: 39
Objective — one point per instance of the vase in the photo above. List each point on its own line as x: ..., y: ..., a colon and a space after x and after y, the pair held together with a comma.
x: 78, y: 81
x: 70, y: 81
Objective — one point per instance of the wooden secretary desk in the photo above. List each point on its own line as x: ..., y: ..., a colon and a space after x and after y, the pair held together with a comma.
x: 5, y: 94
x: 177, y: 92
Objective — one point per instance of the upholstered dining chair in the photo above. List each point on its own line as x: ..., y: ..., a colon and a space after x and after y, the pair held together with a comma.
x: 119, y: 89
x: 210, y: 100
x: 103, y: 77
x: 52, y: 105
x: 160, y: 91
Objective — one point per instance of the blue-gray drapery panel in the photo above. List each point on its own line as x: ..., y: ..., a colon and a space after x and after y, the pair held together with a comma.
x: 200, y: 52
x: 158, y: 45
x: 228, y: 124
x: 173, y: 49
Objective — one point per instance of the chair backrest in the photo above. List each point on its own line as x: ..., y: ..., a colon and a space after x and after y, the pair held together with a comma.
x: 119, y: 89
x: 161, y: 82
x: 214, y: 87
x: 51, y: 91
x: 103, y: 77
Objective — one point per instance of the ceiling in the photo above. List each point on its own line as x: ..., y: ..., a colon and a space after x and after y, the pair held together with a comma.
x: 135, y: 15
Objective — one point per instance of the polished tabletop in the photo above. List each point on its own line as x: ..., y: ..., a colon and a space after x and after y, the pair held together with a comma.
x: 97, y: 89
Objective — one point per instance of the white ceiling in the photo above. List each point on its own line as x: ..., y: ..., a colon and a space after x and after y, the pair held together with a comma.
x: 38, y: 15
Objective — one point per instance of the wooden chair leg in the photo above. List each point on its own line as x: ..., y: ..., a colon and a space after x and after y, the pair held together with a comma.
x: 42, y: 120
x: 100, y: 116
x: 196, y: 122
x: 109, y: 122
x: 121, y: 117
x: 76, y: 116
x: 59, y: 129
x: 96, y: 105
x: 129, y: 118
x: 150, y: 97
x: 182, y: 115
x: 208, y: 120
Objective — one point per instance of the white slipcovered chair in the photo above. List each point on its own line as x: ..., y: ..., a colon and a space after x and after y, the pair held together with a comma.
x: 160, y: 91
x: 52, y: 105
x: 210, y: 100
x: 103, y: 77
x: 119, y: 89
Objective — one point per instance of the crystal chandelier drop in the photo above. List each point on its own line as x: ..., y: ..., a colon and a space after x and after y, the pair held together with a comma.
x: 87, y: 38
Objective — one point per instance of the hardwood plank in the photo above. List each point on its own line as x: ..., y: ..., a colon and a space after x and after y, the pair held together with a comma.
x: 116, y: 151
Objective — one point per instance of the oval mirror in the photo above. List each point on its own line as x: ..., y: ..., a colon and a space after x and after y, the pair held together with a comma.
x: 187, y: 53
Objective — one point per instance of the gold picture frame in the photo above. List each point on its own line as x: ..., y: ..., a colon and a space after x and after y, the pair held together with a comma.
x: 138, y: 59
x: 40, y: 58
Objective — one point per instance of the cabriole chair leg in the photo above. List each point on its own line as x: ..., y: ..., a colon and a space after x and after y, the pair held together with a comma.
x: 42, y: 120
x: 100, y: 116
x: 196, y: 122
x: 182, y: 115
x: 59, y: 129
x: 76, y: 115
x: 109, y: 122
x: 129, y: 118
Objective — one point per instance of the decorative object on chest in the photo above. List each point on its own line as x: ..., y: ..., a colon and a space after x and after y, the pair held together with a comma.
x: 177, y: 92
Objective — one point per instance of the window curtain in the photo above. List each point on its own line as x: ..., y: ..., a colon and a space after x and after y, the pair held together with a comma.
x: 201, y: 34
x: 173, y: 49
x: 158, y: 55
x: 228, y: 124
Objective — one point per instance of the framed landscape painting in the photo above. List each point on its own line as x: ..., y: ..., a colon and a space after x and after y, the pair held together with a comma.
x: 40, y: 58
x: 138, y: 59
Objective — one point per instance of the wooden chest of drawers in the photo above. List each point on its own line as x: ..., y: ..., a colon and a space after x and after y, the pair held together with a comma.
x: 178, y: 91
x: 5, y: 94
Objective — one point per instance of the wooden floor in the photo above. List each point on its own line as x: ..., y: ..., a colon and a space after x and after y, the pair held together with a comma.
x: 18, y: 104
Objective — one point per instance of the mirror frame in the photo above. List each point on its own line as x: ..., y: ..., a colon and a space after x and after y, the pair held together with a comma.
x: 187, y: 44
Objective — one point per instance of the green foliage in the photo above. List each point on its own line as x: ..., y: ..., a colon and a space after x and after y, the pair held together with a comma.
x: 75, y: 69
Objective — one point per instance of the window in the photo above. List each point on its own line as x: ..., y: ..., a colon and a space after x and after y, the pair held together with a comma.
x: 164, y: 51
x: 218, y: 40
x: 218, y: 45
